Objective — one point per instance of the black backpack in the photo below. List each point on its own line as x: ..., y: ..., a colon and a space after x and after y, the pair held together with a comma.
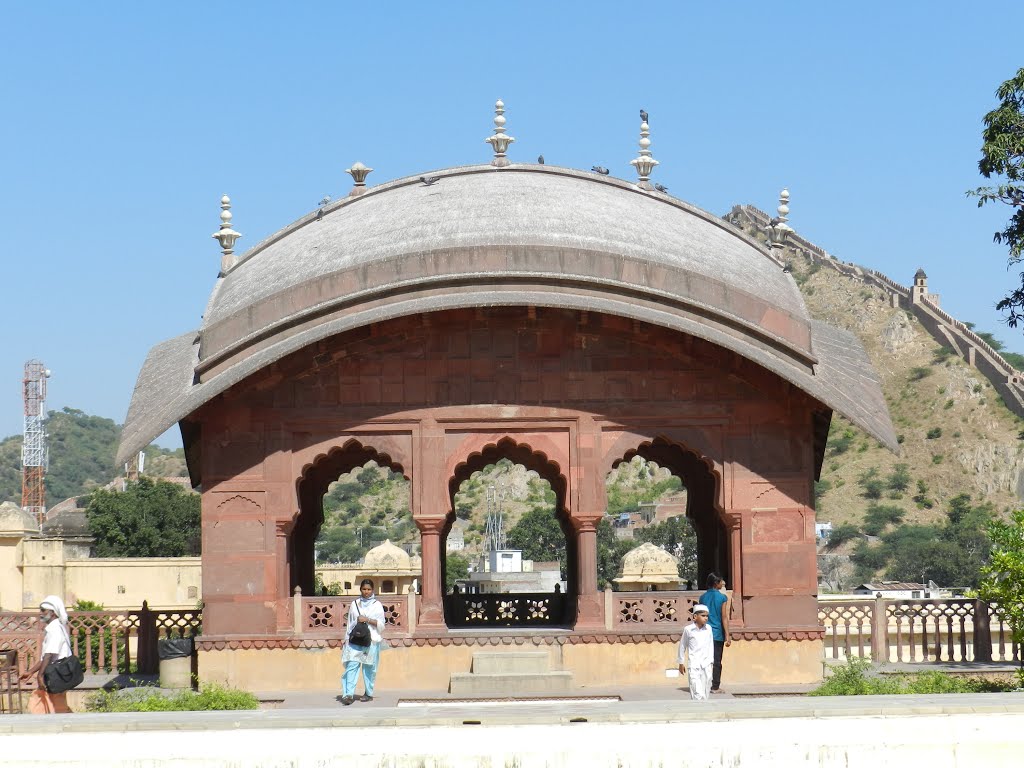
x: 360, y: 634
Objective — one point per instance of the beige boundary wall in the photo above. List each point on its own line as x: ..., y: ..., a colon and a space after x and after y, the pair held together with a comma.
x: 426, y: 667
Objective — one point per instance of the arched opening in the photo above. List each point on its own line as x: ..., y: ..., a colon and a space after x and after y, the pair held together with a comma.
x: 512, y: 531
x: 647, y: 503
x: 350, y: 500
x: 695, y: 474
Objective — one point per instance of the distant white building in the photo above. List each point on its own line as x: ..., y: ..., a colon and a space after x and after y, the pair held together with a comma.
x: 505, y: 571
x: 896, y: 590
x: 822, y: 531
x: 456, y: 538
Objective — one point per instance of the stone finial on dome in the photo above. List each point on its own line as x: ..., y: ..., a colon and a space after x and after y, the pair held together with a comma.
x: 644, y: 162
x: 226, y: 236
x: 358, y: 172
x: 778, y: 230
x: 499, y: 141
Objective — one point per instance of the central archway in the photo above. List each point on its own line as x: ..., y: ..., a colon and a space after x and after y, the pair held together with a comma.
x: 695, y: 472
x: 554, y: 609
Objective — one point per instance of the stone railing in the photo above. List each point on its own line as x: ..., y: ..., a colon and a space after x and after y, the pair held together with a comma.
x: 104, y: 641
x: 945, y: 630
x: 521, y: 609
x: 328, y: 616
x: 644, y: 611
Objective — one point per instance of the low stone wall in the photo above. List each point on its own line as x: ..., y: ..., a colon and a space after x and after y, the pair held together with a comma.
x: 426, y: 667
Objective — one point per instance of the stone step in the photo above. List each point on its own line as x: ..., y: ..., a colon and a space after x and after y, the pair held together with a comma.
x: 509, y: 683
x: 502, y: 662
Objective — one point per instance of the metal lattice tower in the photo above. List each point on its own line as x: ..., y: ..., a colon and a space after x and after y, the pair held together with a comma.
x: 494, y: 534
x: 34, y: 455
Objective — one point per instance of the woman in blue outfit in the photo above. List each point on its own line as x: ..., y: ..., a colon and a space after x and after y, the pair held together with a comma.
x: 365, y: 609
x: 718, y: 617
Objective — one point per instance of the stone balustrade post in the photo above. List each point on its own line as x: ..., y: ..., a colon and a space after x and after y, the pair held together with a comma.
x: 879, y: 632
x: 297, y: 622
x: 982, y: 631
x: 608, y: 616
x: 410, y: 614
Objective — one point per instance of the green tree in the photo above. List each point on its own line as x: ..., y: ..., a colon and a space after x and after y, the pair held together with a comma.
x: 148, y: 519
x: 952, y: 554
x: 538, y: 535
x: 1002, y: 157
x: 610, y: 551
x: 677, y: 537
x: 900, y: 478
x: 338, y: 544
x: 455, y: 567
x: 842, y: 534
x: 1002, y: 580
x: 880, y: 516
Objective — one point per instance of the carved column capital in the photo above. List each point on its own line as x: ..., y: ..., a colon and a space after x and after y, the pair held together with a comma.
x: 430, y: 525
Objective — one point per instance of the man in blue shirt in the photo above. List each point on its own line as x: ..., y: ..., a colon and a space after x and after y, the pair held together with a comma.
x: 718, y: 617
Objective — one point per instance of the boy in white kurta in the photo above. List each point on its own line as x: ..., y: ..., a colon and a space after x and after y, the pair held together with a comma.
x: 697, y: 648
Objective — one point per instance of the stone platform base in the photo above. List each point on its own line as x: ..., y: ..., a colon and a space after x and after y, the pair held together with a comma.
x: 287, y: 665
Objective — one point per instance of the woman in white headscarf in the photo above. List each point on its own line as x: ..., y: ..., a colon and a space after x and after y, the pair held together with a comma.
x: 56, y: 645
x: 365, y: 609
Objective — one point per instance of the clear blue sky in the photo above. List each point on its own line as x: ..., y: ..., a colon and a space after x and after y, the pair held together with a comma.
x: 124, y: 123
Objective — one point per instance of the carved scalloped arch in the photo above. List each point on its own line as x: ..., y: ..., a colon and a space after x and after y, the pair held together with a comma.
x: 372, y: 454
x: 517, y: 449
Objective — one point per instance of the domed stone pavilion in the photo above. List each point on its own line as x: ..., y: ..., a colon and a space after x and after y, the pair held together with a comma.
x: 648, y: 567
x: 564, y: 319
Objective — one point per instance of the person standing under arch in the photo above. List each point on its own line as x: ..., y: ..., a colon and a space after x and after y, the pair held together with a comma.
x: 718, y: 617
x: 365, y: 609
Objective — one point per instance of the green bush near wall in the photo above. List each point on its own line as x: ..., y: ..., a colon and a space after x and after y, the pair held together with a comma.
x: 210, y: 697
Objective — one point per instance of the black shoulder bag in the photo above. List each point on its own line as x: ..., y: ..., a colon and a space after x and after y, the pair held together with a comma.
x: 63, y: 674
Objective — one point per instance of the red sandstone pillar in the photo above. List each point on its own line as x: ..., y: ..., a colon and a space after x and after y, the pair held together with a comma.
x: 431, y: 607
x: 285, y: 610
x: 736, y: 566
x: 589, y: 603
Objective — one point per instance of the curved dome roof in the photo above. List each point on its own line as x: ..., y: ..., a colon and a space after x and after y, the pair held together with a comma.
x: 519, y: 236
x: 16, y: 521
x: 387, y: 556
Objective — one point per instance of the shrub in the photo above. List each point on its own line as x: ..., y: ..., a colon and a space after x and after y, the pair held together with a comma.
x: 842, y: 443
x: 921, y: 497
x: 842, y: 534
x: 948, y: 405
x: 937, y: 458
x: 210, y: 697
x: 899, y: 479
x: 941, y: 355
x: 916, y: 374
x: 879, y: 516
x: 854, y: 679
x: 933, y: 433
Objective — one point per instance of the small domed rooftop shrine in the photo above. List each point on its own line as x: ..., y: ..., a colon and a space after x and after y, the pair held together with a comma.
x: 564, y: 319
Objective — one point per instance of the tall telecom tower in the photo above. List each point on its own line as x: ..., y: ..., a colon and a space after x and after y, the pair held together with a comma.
x: 494, y: 533
x: 34, y: 456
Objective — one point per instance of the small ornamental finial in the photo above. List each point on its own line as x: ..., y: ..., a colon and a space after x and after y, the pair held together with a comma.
x: 499, y: 141
x: 778, y: 229
x: 358, y: 172
x: 644, y: 163
x: 226, y: 236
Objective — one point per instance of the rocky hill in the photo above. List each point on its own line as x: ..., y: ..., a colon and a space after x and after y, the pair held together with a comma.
x: 82, y: 449
x: 956, y: 433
